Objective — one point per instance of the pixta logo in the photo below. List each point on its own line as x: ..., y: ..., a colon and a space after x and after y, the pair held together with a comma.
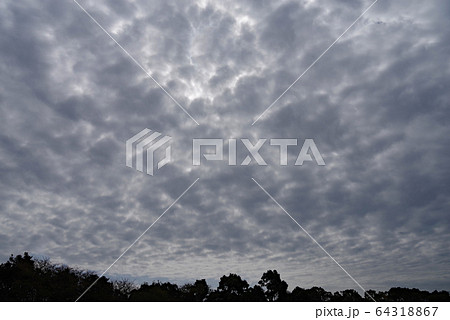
x: 308, y: 148
x: 144, y: 146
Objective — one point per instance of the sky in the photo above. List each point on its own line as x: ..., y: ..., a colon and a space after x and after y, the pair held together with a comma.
x: 376, y: 105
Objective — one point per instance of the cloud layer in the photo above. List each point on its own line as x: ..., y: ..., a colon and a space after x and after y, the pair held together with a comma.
x: 376, y: 106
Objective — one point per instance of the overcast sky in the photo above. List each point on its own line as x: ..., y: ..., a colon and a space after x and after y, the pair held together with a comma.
x: 376, y: 105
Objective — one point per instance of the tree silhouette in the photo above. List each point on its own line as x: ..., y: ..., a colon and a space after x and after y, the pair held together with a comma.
x: 123, y: 288
x: 255, y: 294
x: 231, y: 288
x: 23, y: 278
x: 195, y: 292
x: 276, y: 289
x: 349, y: 295
x: 17, y: 278
x: 156, y: 291
x: 315, y: 294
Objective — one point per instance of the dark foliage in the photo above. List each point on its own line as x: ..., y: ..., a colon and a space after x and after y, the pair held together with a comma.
x: 23, y: 278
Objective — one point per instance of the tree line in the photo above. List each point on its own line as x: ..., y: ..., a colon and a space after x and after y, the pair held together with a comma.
x: 23, y: 278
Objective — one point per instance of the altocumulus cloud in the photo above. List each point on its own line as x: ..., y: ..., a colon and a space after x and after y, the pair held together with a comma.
x: 376, y: 105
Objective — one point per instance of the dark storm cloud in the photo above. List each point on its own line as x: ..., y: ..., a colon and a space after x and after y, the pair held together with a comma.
x: 376, y: 105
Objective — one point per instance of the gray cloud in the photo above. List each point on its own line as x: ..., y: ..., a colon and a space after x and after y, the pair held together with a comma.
x: 376, y: 106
